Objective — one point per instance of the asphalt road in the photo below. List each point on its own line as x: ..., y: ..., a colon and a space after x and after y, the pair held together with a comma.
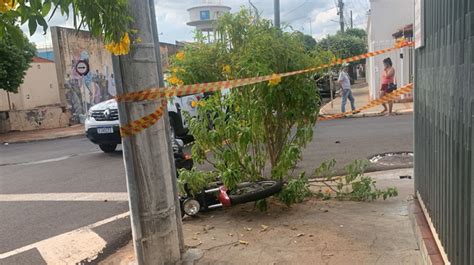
x: 65, y: 167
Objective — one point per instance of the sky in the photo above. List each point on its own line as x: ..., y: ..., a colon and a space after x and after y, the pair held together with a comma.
x: 318, y: 17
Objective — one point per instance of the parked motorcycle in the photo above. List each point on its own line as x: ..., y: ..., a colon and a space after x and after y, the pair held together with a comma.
x: 218, y: 196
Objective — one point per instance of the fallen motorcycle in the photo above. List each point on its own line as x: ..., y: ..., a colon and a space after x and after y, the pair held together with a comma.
x: 218, y: 196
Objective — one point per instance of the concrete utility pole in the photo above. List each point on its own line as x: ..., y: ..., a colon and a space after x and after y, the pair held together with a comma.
x: 148, y: 158
x: 276, y: 10
x: 352, y: 21
x: 341, y: 15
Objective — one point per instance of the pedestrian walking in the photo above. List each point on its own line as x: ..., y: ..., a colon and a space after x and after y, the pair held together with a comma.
x: 345, y: 83
x: 387, y: 84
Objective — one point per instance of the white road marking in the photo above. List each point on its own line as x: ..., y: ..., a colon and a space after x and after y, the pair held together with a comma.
x: 56, y: 159
x: 70, y: 247
x: 77, y: 196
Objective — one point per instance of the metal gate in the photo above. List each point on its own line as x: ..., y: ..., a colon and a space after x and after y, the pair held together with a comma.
x: 444, y: 116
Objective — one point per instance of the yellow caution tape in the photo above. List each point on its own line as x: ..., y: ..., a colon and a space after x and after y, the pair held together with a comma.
x: 144, y: 122
x: 385, y: 99
x: 166, y: 92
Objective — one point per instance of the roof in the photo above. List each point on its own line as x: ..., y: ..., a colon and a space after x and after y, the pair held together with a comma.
x: 41, y: 60
x: 406, y: 31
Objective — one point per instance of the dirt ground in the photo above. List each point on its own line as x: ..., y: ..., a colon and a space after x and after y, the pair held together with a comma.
x: 313, y: 232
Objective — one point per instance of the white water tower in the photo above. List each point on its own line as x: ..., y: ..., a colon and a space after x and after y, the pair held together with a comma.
x: 204, y: 16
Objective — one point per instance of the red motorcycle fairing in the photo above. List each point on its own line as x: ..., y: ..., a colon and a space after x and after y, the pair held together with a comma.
x: 223, y: 197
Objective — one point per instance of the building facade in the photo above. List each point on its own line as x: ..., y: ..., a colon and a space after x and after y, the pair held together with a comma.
x: 85, y: 72
x: 37, y: 104
x: 385, y: 21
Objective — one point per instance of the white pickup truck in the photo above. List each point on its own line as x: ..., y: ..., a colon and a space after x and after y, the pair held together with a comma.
x: 102, y: 122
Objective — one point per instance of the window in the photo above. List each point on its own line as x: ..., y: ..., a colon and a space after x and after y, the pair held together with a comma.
x: 205, y: 15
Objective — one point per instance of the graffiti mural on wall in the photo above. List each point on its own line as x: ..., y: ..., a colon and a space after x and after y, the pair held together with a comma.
x: 87, y: 88
x: 85, y: 73
x: 85, y: 69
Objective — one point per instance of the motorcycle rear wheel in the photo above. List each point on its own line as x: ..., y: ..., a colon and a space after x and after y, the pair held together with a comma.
x: 254, y: 191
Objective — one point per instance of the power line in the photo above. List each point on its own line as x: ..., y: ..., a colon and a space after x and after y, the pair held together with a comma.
x: 307, y: 16
x: 357, y: 8
x: 292, y: 10
x: 365, y: 5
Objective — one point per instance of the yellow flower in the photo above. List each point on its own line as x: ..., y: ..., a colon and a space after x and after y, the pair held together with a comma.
x: 6, y: 5
x: 275, y: 80
x: 180, y: 56
x: 175, y: 81
x: 177, y: 69
x: 119, y: 48
x: 195, y: 103
x: 226, y: 69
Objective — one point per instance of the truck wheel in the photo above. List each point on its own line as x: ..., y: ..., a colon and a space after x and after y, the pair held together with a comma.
x: 108, y: 148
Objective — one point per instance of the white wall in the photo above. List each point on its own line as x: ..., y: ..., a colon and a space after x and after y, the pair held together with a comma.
x: 387, y: 17
x: 39, y: 88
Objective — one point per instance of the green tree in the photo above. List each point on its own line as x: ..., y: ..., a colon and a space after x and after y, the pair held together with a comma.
x: 359, y: 33
x: 14, y: 61
x: 256, y: 131
x: 108, y: 19
x: 309, y: 42
x: 343, y: 45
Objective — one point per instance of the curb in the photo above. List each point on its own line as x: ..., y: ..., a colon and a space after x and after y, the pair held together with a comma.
x: 423, y: 234
x: 117, y: 240
x: 78, y: 134
x: 374, y: 114
x: 378, y: 114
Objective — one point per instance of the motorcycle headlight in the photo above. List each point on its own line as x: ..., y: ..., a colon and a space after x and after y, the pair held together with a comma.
x: 179, y: 142
x: 191, y: 207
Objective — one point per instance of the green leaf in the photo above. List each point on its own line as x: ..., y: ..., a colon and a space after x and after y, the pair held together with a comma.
x: 32, y: 26
x: 15, y: 34
x: 43, y: 23
x: 35, y: 4
x: 46, y: 8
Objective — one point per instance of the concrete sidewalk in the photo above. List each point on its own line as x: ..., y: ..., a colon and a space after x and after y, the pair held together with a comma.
x: 313, y: 232
x: 46, y: 134
x: 361, y: 96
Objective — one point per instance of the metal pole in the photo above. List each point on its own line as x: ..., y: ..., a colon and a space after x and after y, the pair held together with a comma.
x: 331, y: 89
x: 352, y: 21
x: 341, y: 15
x: 148, y: 158
x: 276, y: 10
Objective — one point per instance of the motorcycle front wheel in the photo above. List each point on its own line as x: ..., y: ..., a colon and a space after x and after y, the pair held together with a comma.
x: 254, y: 191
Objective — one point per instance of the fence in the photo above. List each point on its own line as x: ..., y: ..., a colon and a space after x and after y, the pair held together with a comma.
x: 444, y: 111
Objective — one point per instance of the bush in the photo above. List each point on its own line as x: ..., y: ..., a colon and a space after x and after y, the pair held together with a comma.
x: 256, y: 131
